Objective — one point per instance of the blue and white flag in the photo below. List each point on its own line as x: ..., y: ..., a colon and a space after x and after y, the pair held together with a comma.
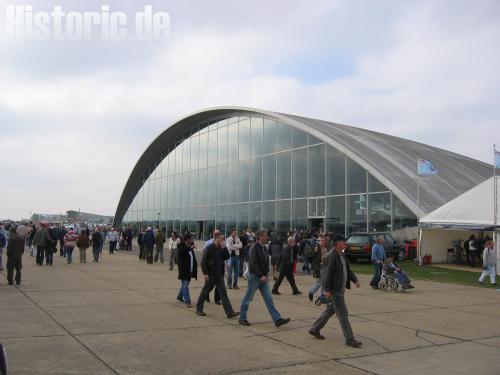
x: 425, y: 167
x: 497, y: 159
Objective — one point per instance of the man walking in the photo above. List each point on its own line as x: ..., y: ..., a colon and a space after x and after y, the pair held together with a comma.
x: 3, y: 243
x: 172, y: 246
x: 212, y: 265
x: 257, y: 279
x: 285, y: 267
x: 338, y: 277
x: 159, y: 241
x: 234, y: 246
x: 318, y: 263
x: 489, y: 262
x: 41, y: 243
x: 378, y: 259
x: 15, y: 250
x: 149, y: 244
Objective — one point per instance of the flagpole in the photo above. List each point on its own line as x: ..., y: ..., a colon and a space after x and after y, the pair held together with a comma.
x: 418, y: 218
x: 495, y: 204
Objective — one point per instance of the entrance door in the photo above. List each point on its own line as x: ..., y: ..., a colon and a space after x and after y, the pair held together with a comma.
x: 316, y: 214
x: 200, y: 230
x: 316, y: 225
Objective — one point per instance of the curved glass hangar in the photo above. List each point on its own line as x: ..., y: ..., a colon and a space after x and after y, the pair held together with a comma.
x: 242, y: 168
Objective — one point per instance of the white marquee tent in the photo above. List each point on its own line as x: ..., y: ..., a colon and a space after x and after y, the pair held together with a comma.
x: 470, y: 213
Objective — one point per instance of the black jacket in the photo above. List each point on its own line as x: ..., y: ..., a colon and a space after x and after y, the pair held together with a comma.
x: 333, y: 278
x: 15, y: 248
x: 52, y: 238
x: 212, y: 262
x: 140, y: 237
x: 285, y: 263
x: 96, y: 240
x: 183, y: 251
x: 258, y: 262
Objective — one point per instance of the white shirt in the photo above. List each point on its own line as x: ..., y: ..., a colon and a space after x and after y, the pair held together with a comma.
x: 172, y: 244
x: 234, y: 245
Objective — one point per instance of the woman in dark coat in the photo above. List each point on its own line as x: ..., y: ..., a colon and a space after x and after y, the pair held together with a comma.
x: 187, y: 267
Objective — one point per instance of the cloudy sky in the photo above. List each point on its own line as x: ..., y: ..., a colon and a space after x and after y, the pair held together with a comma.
x: 75, y: 116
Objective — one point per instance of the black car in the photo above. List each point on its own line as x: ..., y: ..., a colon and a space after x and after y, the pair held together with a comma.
x: 359, y: 245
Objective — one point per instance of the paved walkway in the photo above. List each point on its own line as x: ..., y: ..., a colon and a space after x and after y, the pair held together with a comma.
x: 121, y: 317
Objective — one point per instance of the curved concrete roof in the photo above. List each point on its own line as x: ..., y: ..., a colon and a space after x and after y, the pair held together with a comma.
x: 392, y: 160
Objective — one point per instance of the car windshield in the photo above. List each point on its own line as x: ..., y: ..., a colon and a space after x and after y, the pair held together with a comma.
x: 357, y: 239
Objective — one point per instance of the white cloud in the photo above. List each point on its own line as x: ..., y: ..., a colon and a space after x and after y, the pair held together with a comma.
x: 426, y: 72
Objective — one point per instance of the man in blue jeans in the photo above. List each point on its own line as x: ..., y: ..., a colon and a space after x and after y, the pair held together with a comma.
x: 258, y: 264
x: 234, y: 246
x: 378, y: 259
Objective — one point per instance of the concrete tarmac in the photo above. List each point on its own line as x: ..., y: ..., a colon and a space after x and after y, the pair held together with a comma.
x: 120, y: 316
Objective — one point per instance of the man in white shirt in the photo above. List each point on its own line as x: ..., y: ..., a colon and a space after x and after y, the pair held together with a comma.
x: 234, y: 246
x: 172, y: 246
x: 489, y: 262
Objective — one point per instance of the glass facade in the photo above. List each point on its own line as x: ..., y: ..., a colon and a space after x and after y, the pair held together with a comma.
x: 253, y: 172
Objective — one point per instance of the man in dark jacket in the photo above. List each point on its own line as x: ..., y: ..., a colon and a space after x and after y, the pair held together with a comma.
x: 257, y: 279
x: 15, y: 250
x: 159, y: 241
x: 61, y: 235
x: 51, y: 245
x: 285, y: 267
x: 41, y: 242
x: 212, y: 265
x: 149, y: 244
x: 140, y: 242
x: 127, y: 235
x: 338, y: 277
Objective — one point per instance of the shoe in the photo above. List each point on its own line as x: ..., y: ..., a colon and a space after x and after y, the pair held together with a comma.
x: 411, y: 287
x: 207, y: 299
x: 201, y: 313
x: 236, y: 287
x: 275, y: 278
x: 188, y: 305
x: 11, y: 283
x: 244, y: 323
x: 161, y: 261
x: 481, y: 282
x: 311, y: 296
x: 218, y: 303
x: 354, y: 343
x: 180, y: 299
x: 281, y: 322
x: 171, y: 268
x: 276, y: 292
x: 229, y: 287
x: 234, y: 314
x: 316, y: 335
x: 297, y: 292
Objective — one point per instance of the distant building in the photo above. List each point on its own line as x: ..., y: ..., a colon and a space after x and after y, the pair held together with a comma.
x: 73, y: 217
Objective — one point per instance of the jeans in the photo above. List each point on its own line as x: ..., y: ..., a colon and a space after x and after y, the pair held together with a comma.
x: 11, y: 265
x: 234, y: 271
x: 254, y: 283
x: 159, y: 253
x: 69, y: 254
x: 1, y: 253
x: 318, y: 284
x: 149, y: 255
x: 218, y: 282
x: 112, y: 246
x: 95, y: 253
x: 83, y: 254
x: 49, y: 255
x: 337, y: 306
x: 184, y: 292
x: 172, y: 258
x: 39, y: 255
x: 403, y: 278
x: 289, y: 277
x: 377, y: 272
x: 306, y: 267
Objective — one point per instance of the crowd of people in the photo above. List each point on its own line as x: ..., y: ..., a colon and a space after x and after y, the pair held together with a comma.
x: 253, y: 256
